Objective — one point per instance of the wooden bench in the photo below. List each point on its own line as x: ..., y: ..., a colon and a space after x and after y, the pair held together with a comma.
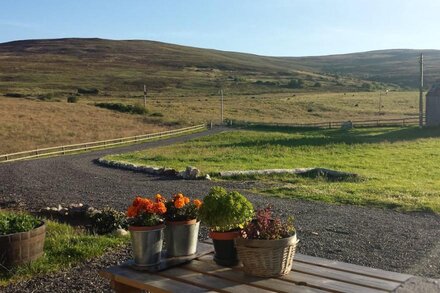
x: 309, y: 274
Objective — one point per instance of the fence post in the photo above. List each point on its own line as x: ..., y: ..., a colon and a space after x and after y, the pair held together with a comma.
x: 7, y: 158
x: 329, y: 125
x: 403, y: 122
x: 210, y: 124
x: 64, y: 150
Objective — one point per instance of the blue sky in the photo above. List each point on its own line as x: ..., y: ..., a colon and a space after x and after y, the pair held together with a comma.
x: 271, y: 27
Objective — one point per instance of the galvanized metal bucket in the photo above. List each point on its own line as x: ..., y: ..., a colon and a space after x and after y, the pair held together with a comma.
x: 181, y: 237
x: 146, y: 244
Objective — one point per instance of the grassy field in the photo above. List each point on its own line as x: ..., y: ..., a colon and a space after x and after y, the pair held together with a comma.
x: 64, y: 247
x: 31, y: 123
x: 398, y: 166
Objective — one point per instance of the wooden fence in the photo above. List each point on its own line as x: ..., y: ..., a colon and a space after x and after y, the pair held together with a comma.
x: 338, y: 124
x: 62, y: 150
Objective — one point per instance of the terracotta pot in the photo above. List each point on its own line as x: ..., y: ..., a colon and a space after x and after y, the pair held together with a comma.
x: 181, y: 237
x: 225, y: 251
x: 146, y: 244
x: 23, y: 247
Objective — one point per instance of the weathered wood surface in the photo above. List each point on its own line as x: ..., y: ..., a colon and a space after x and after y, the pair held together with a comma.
x: 309, y: 274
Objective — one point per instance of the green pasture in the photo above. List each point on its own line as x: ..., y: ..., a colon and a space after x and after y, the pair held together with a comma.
x: 398, y: 167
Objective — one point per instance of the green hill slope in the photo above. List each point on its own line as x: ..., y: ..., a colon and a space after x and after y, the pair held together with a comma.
x: 39, y: 66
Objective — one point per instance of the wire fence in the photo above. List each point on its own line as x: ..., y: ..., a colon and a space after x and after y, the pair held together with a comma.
x: 66, y: 149
x: 407, y: 121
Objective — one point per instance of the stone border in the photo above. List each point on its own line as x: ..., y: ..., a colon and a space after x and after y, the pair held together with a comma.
x: 190, y: 172
x: 193, y: 173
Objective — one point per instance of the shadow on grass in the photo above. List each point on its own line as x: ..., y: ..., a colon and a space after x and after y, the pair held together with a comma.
x: 322, y: 137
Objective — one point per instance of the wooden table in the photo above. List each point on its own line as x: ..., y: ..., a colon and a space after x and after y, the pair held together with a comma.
x: 309, y: 274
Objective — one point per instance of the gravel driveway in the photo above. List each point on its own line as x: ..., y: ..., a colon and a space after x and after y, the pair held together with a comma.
x: 402, y: 242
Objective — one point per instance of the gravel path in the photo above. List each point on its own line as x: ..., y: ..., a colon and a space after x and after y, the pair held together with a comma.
x: 402, y: 242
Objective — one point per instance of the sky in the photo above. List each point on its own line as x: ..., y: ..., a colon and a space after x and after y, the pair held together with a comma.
x: 271, y: 27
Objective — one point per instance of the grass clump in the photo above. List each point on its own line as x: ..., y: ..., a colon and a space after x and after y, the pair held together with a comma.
x: 132, y: 109
x: 397, y: 167
x: 64, y: 247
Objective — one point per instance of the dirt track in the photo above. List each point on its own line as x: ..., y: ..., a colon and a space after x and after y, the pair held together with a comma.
x: 403, y: 242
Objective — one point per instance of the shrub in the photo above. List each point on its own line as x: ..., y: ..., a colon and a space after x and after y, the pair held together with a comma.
x: 268, y: 228
x: 15, y: 95
x: 317, y: 84
x: 88, y: 91
x: 224, y: 211
x: 156, y: 114
x: 107, y: 220
x: 72, y: 99
x: 46, y: 97
x: 133, y: 109
x: 295, y: 84
x: 17, y: 222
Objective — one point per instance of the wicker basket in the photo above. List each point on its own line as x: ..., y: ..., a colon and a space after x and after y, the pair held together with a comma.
x: 266, y: 258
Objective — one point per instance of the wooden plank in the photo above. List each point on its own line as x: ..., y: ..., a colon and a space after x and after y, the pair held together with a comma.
x: 328, y: 284
x: 237, y: 275
x: 367, y: 271
x: 344, y: 276
x: 208, y: 281
x: 147, y: 281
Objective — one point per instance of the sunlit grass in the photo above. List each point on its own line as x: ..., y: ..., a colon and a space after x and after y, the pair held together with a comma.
x: 64, y: 247
x: 398, y: 166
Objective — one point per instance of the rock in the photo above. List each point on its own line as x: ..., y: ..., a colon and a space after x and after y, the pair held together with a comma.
x: 120, y: 232
x: 59, y: 207
x: 191, y: 172
x: 207, y: 177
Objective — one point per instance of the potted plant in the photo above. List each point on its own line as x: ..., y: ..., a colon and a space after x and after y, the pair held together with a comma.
x: 267, y: 245
x: 225, y: 213
x: 21, y: 238
x: 182, y: 224
x: 146, y: 230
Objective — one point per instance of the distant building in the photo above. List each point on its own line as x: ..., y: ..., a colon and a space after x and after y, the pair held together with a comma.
x: 433, y: 106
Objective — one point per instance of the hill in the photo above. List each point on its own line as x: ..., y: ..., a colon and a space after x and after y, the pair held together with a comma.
x: 396, y: 66
x: 64, y: 65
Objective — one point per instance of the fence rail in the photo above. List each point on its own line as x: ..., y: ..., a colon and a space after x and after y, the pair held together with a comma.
x: 65, y: 149
x: 337, y: 124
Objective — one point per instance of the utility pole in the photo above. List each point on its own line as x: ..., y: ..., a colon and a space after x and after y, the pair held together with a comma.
x: 145, y: 96
x: 421, y: 92
x: 380, y: 102
x: 222, y: 106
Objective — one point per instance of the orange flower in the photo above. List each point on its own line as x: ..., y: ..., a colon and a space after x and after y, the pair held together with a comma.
x: 179, y: 195
x: 159, y: 198
x: 179, y: 202
x: 160, y: 208
x: 137, y: 201
x: 197, y: 203
x: 132, y: 211
x: 186, y: 200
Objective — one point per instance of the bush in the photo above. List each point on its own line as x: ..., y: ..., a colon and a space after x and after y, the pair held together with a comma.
x: 224, y: 211
x: 72, y: 99
x: 46, y: 97
x: 317, y: 84
x: 88, y: 91
x: 132, y: 109
x: 107, y: 220
x: 17, y: 222
x: 295, y: 84
x: 156, y: 114
x: 15, y: 95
